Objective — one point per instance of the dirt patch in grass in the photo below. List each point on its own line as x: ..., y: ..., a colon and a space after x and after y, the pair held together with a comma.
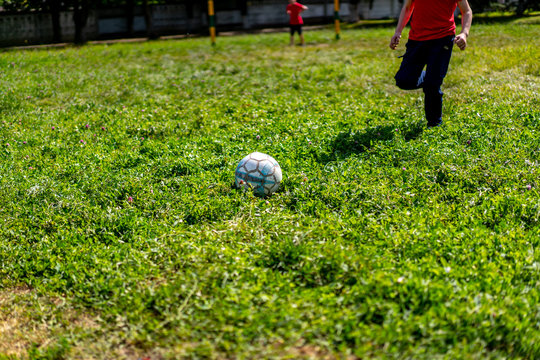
x: 305, y: 351
x: 34, y: 324
x: 18, y: 334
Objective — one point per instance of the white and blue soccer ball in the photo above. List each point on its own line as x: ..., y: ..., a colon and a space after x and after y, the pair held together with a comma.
x: 259, y: 172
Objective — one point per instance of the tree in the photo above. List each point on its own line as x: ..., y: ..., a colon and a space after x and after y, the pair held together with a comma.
x: 54, y: 8
x: 479, y: 5
x: 44, y: 6
x: 130, y: 16
x: 524, y: 5
x: 81, y: 11
x: 148, y: 20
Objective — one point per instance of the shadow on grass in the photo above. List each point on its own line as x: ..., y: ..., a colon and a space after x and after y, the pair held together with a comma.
x: 347, y: 143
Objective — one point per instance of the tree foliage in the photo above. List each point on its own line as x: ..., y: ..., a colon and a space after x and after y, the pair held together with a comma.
x: 26, y: 6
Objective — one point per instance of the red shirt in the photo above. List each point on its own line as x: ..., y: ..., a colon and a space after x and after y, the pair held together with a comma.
x: 432, y: 19
x: 294, y: 13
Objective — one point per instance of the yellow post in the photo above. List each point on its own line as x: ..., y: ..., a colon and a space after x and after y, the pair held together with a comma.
x: 212, y: 21
x: 336, y: 18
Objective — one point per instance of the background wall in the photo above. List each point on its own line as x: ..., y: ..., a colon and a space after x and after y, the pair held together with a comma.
x: 36, y: 28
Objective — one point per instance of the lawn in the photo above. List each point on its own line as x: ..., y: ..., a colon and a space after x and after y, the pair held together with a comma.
x: 122, y: 236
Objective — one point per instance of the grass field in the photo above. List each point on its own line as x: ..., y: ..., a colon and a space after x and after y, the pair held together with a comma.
x: 122, y: 237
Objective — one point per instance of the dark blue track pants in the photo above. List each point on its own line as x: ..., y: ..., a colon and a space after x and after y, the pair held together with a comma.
x: 434, y: 55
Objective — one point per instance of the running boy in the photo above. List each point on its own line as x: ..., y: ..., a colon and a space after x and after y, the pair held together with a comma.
x: 295, y: 20
x: 431, y: 38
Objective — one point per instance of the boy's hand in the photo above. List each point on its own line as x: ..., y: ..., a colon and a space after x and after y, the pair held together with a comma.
x: 461, y: 41
x: 395, y: 41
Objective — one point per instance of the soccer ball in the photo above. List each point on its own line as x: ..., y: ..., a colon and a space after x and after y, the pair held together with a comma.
x: 259, y: 172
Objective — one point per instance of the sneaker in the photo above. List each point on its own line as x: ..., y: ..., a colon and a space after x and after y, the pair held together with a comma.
x: 430, y: 125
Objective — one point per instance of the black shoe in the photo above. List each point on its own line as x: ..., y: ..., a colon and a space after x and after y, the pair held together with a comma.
x: 434, y: 124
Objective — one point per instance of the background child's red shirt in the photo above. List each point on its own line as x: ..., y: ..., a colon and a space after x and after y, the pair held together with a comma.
x: 432, y: 19
x: 295, y: 10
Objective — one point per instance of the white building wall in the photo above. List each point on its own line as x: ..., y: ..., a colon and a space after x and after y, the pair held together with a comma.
x: 35, y: 28
x: 381, y: 9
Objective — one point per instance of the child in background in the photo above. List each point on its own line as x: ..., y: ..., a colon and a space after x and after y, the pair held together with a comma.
x: 294, y: 9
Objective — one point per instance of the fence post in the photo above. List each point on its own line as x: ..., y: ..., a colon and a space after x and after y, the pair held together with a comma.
x: 212, y: 22
x: 336, y: 18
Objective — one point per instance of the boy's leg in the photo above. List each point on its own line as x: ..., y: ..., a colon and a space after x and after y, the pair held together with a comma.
x: 439, y: 54
x: 410, y: 75
x: 300, y: 34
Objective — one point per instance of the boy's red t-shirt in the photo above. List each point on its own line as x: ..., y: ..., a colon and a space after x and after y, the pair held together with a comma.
x: 432, y: 19
x: 295, y: 10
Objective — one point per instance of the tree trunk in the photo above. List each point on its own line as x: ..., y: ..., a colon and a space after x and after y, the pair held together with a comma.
x: 80, y: 17
x: 366, y: 5
x: 521, y: 6
x: 150, y: 33
x: 353, y: 11
x: 190, y: 14
x: 244, y: 13
x: 54, y: 8
x: 130, y: 16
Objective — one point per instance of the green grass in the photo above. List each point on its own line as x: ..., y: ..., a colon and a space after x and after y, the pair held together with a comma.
x: 123, y: 237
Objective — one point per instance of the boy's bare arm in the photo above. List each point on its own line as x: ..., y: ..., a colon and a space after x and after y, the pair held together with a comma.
x: 404, y: 18
x: 466, y: 21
